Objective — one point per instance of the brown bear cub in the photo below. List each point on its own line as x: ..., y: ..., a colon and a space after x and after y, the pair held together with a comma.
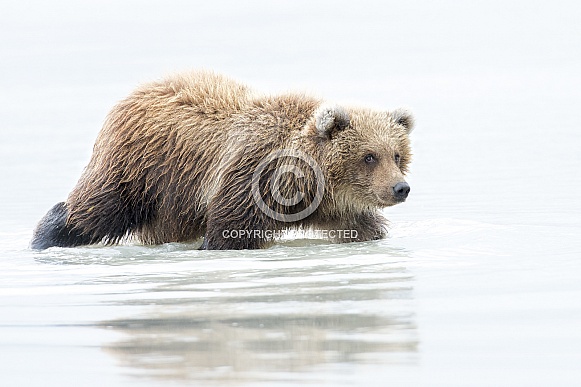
x: 199, y: 155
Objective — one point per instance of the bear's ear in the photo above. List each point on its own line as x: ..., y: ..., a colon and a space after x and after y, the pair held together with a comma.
x: 330, y: 120
x: 404, y: 118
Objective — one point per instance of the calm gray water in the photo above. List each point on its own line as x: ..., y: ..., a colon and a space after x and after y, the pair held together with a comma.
x: 479, y: 282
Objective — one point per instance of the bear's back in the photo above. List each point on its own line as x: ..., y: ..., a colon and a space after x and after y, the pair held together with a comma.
x: 207, y: 92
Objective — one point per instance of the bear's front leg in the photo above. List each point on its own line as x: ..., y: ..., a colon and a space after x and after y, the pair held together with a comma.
x: 362, y: 227
x: 225, y: 234
x: 234, y: 222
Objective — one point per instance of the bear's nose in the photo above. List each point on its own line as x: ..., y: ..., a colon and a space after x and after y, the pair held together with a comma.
x: 401, y: 191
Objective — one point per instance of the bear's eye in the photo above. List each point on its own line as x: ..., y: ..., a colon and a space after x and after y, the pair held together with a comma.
x: 369, y: 159
x: 397, y: 158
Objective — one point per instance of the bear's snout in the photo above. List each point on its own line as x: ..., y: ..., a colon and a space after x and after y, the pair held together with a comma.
x: 401, y: 191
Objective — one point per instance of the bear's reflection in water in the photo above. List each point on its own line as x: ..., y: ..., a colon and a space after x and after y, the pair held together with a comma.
x: 276, y: 329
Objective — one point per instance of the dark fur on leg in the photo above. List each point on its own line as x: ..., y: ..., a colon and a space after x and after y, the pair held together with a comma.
x: 235, y: 222
x: 225, y: 233
x: 369, y: 226
x: 223, y: 237
x: 52, y: 230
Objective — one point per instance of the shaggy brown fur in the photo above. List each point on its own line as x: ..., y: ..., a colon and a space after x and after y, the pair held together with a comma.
x: 175, y: 160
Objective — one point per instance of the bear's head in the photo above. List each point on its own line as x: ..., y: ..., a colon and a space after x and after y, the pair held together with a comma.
x: 366, y: 154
